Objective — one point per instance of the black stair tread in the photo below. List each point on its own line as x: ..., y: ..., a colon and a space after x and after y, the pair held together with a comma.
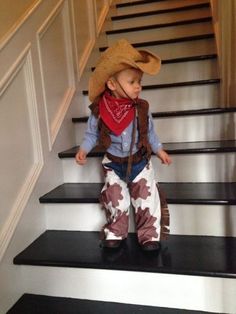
x: 130, y: 4
x: 193, y: 112
x: 176, y: 84
x: 160, y: 25
x: 41, y: 304
x: 185, y: 59
x: 169, y: 41
x: 178, y: 113
x: 171, y: 148
x: 190, y: 58
x: 213, y: 193
x: 160, y: 11
x: 186, y: 255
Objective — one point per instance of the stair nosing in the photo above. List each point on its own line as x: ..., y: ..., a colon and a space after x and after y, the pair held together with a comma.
x: 179, y: 113
x: 160, y: 11
x: 190, y: 58
x: 68, y: 305
x: 173, y: 85
x: 176, y: 84
x: 52, y: 260
x: 181, y: 84
x: 129, y: 4
x: 194, y: 112
x: 185, y: 59
x: 162, y: 25
x: 211, y: 149
x: 49, y: 199
x: 168, y: 41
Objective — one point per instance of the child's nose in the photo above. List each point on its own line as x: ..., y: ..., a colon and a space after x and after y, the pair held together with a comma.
x: 138, y: 85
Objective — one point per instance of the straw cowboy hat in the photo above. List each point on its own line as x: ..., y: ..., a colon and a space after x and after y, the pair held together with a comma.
x: 118, y: 57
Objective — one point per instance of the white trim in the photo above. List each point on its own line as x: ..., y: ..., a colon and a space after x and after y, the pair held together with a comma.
x: 68, y: 42
x: 82, y: 61
x: 56, y: 124
x: 57, y: 121
x: 49, y: 20
x: 23, y: 62
x: 102, y: 17
x: 18, y: 24
x: 72, y: 10
x: 53, y: 128
x: 84, y: 58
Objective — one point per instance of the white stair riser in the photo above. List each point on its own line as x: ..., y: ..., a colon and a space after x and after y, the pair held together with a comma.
x: 164, y: 290
x: 159, y: 5
x: 173, y: 99
x: 196, y: 128
x: 163, y: 33
x: 214, y: 167
x: 184, y: 49
x: 183, y: 72
x: 177, y: 72
x: 183, y: 98
x: 208, y: 220
x: 186, y: 129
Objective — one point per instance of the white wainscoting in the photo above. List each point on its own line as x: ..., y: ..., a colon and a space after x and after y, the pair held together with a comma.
x: 56, y: 64
x: 83, y: 28
x: 22, y: 151
x: 102, y: 10
x: 17, y: 24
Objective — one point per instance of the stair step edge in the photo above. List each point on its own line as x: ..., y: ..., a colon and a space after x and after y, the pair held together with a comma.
x: 172, y: 148
x: 48, y: 304
x: 185, y: 59
x: 160, y: 11
x: 162, y: 25
x: 181, y: 249
x: 191, y: 193
x: 168, y: 41
x: 173, y: 85
x: 177, y: 113
x: 130, y: 4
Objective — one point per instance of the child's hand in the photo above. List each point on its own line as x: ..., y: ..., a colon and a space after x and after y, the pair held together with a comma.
x: 80, y: 157
x: 164, y: 157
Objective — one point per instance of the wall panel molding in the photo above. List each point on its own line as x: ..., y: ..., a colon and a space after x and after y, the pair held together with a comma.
x: 89, y: 47
x: 82, y: 58
x: 24, y: 64
x: 53, y: 125
x: 18, y: 24
x: 102, y: 16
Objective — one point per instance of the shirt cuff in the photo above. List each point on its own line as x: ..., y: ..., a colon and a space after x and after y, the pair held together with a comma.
x: 156, y: 148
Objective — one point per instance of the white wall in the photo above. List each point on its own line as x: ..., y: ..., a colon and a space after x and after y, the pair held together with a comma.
x: 42, y: 58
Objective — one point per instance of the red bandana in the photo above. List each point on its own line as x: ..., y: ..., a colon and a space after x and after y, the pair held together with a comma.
x: 116, y: 113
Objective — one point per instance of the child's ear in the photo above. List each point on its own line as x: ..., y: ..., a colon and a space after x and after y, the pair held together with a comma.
x: 111, y: 84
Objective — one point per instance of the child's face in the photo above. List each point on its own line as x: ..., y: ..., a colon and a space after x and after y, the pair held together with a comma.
x: 128, y: 82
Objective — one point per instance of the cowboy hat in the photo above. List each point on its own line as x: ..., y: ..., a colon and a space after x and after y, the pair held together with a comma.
x: 120, y: 56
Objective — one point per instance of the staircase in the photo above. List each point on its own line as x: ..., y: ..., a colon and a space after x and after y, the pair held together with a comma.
x: 65, y: 269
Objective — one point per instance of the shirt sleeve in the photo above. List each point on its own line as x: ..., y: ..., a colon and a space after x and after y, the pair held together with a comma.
x: 91, y: 134
x: 152, y: 136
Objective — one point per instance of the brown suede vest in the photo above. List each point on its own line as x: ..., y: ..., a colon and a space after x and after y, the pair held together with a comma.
x: 142, y: 108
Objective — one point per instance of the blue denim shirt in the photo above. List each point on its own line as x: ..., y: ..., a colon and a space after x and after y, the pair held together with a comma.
x: 120, y: 145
